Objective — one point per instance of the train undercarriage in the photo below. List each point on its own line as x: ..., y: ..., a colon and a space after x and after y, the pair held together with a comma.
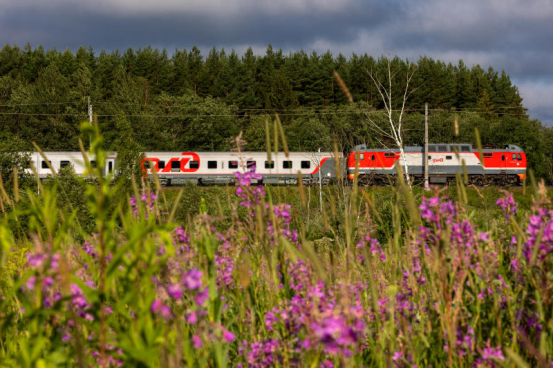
x: 477, y: 180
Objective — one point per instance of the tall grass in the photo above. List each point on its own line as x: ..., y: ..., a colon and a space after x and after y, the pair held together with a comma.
x: 259, y: 277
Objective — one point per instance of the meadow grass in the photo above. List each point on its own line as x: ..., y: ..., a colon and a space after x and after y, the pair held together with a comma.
x: 259, y: 276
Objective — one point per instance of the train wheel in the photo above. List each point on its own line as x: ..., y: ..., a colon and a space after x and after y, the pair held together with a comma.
x: 512, y: 180
x: 479, y: 182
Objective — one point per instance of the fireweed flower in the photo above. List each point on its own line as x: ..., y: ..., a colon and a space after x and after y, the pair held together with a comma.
x: 540, y: 223
x: 464, y: 342
x: 281, y: 220
x: 159, y: 308
x: 228, y: 336
x: 489, y: 356
x: 374, y: 247
x: 36, y: 261
x: 508, y: 204
x: 89, y: 249
x: 180, y: 236
x: 147, y: 200
x: 492, y: 353
x: 174, y: 291
x: 192, y: 280
x: 201, y: 297
x: 336, y: 335
x: 196, y: 342
x: 326, y: 315
x: 79, y: 302
x: 250, y: 195
x: 261, y: 354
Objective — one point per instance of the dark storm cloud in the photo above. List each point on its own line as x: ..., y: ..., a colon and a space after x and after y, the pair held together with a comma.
x: 72, y: 27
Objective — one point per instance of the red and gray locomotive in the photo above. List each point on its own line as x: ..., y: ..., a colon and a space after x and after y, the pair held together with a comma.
x: 490, y: 167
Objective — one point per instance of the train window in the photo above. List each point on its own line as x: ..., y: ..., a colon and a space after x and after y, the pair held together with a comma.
x: 514, y: 156
x: 465, y: 148
x: 372, y: 157
x: 442, y: 148
x: 432, y: 148
x: 233, y: 164
x: 161, y: 164
x: 502, y: 157
x: 211, y: 164
x: 448, y: 157
x: 519, y: 156
x: 44, y: 164
x: 194, y: 164
x: 250, y: 164
x: 487, y: 154
x: 361, y: 157
x: 175, y: 165
x: 306, y: 164
x: 429, y: 158
x: 93, y: 163
x: 269, y: 164
x: 286, y: 164
x: 64, y: 163
x: 147, y: 164
x: 389, y: 155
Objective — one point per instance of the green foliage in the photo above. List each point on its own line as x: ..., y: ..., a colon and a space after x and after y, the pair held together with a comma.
x: 71, y: 197
x: 15, y: 157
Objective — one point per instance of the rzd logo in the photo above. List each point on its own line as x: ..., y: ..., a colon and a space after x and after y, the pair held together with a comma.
x: 169, y: 165
x: 437, y: 160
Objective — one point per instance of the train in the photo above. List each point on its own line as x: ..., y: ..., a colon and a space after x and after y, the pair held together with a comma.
x: 368, y: 166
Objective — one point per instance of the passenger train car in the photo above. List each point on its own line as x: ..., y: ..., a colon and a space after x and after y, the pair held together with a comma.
x: 207, y: 167
x: 219, y: 167
x: 497, y: 166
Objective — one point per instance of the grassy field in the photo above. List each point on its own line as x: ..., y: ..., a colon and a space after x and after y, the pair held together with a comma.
x: 260, y: 276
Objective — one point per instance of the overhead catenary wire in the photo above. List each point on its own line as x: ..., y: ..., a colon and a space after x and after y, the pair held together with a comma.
x: 188, y: 107
x: 218, y: 115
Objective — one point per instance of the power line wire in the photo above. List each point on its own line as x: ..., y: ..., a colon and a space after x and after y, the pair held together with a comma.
x: 172, y: 116
x: 188, y: 107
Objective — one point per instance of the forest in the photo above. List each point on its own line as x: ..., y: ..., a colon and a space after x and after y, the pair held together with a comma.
x: 151, y: 99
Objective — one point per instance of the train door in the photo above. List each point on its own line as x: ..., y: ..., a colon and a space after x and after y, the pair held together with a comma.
x: 504, y: 158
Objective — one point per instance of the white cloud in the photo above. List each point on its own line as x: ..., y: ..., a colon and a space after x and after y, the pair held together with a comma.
x: 537, y: 95
x: 457, y: 15
x: 538, y: 98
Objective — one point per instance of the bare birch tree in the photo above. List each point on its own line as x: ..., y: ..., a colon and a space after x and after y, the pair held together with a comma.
x: 394, y: 117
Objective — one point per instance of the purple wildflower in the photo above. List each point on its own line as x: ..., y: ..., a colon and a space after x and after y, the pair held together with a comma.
x: 174, y: 291
x: 228, y: 336
x: 192, y: 280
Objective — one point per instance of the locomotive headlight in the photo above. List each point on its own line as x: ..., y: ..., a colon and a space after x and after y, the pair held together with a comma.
x: 351, y: 176
x: 328, y: 174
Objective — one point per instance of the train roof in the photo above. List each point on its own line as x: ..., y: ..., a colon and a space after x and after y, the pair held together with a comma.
x: 439, y: 147
x: 244, y: 154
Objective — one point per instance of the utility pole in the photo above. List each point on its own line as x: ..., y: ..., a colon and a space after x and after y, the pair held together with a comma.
x: 426, y: 186
x: 90, y: 119
x: 320, y: 182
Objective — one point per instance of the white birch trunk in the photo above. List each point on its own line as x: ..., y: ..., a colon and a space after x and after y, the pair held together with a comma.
x: 395, y: 127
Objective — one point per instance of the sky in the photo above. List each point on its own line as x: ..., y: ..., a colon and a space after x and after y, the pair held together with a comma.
x: 511, y: 35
